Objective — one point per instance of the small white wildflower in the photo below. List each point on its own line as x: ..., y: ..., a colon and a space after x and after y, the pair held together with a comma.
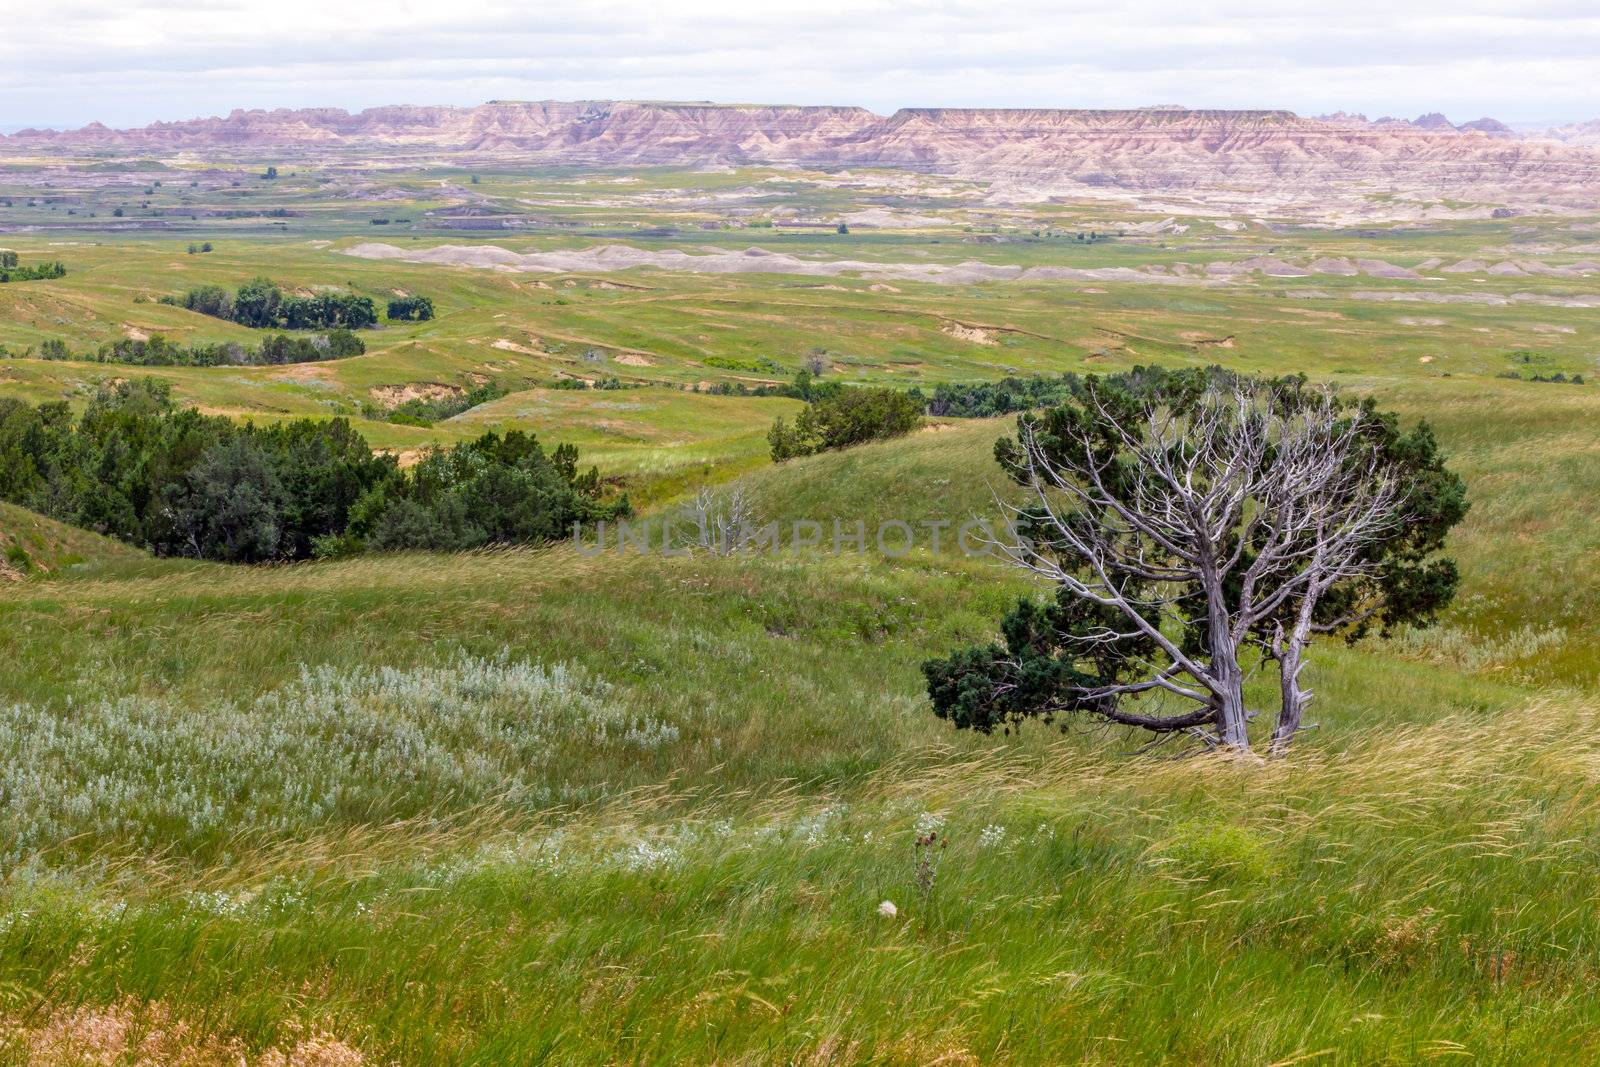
x: 647, y: 856
x: 888, y: 910
x: 928, y: 822
x: 992, y: 836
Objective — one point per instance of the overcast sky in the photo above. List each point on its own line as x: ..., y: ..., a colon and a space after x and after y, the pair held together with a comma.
x: 128, y: 62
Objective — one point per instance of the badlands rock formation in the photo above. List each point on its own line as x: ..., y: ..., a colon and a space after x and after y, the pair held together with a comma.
x: 1582, y: 134
x: 757, y: 260
x: 1038, y: 151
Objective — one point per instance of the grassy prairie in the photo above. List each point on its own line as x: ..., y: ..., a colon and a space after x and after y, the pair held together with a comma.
x: 534, y: 806
x: 674, y: 791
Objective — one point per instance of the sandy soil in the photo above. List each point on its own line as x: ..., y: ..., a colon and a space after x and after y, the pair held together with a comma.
x: 968, y: 333
x: 395, y: 395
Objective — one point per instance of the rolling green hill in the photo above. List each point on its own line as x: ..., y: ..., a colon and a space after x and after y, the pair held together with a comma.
x: 32, y: 545
x: 537, y: 805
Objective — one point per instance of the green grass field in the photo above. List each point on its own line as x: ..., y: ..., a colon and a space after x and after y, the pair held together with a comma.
x: 533, y: 806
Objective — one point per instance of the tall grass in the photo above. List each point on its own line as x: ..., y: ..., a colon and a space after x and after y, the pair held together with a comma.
x: 531, y: 807
x: 1426, y: 891
x: 338, y: 746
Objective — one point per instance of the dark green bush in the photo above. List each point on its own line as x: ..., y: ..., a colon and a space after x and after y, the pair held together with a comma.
x: 176, y: 482
x: 261, y: 305
x: 841, y: 417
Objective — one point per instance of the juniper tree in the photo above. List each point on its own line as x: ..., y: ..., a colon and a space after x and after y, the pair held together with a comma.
x: 1195, y: 524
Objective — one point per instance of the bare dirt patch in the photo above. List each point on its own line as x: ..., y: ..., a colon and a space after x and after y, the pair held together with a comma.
x: 395, y: 395
x: 1204, y: 340
x: 972, y: 334
x: 305, y: 372
x: 511, y: 346
x: 406, y: 457
x: 628, y: 359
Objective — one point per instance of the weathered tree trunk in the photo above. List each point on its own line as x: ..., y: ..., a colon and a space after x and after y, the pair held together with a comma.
x: 1290, y: 663
x: 1227, y: 678
x: 1233, y: 724
x: 1291, y: 654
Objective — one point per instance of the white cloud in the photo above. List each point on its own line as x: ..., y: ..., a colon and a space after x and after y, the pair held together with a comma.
x: 133, y: 61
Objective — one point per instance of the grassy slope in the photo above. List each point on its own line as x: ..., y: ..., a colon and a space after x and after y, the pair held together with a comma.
x: 219, y: 806
x: 32, y: 545
x: 1413, y: 880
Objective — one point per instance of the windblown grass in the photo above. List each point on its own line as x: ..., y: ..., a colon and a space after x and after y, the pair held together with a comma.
x: 1423, y: 891
x: 526, y: 806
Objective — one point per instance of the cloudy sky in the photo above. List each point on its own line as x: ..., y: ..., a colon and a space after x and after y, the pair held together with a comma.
x: 128, y: 62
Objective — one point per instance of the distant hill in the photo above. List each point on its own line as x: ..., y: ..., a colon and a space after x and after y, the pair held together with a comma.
x: 1577, y: 134
x: 1142, y: 148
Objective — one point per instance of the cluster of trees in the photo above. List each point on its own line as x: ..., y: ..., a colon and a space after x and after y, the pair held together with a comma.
x: 200, y: 248
x: 176, y: 482
x: 974, y: 400
x: 410, y: 309
x: 1533, y: 361
x: 1558, y: 378
x: 838, y: 416
x: 157, y: 351
x: 12, y: 270
x: 1007, y: 396
x: 493, y: 490
x: 612, y: 382
x: 1196, y: 524
x: 261, y: 305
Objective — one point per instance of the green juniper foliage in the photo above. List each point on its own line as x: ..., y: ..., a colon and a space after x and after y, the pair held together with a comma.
x: 179, y: 483
x: 410, y: 309
x: 492, y: 490
x: 841, y: 416
x: 1065, y: 656
x: 11, y: 269
x: 157, y: 351
x: 261, y: 305
x: 1005, y: 396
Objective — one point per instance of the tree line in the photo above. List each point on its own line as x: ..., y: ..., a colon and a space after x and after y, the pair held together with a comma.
x: 261, y: 305
x: 1004, y: 396
x: 175, y: 482
x: 157, y: 351
x: 12, y: 270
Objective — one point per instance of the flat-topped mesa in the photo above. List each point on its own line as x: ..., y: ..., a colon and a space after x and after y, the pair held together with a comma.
x: 1028, y: 118
x: 1149, y: 148
x: 669, y: 132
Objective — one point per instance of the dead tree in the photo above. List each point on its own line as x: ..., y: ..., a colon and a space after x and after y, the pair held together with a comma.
x: 1190, y: 533
x: 723, y: 523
